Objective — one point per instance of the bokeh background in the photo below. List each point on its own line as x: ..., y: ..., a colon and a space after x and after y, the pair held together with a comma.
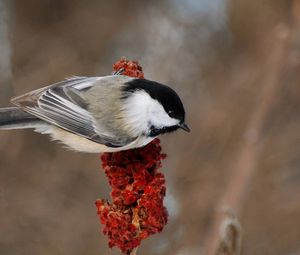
x: 236, y: 65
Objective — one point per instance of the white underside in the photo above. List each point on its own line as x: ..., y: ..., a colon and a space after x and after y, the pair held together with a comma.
x: 78, y: 143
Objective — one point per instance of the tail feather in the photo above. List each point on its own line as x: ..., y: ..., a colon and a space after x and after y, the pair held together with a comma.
x: 15, y: 118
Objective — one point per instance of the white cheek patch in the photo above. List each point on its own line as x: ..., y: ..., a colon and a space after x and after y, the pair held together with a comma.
x: 141, y: 111
x: 158, y: 116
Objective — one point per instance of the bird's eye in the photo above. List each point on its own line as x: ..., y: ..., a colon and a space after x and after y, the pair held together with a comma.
x: 171, y: 114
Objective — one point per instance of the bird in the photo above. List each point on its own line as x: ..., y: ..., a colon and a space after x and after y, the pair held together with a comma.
x: 98, y: 114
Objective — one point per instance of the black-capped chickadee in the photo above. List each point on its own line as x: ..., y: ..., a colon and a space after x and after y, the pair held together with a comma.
x: 98, y: 114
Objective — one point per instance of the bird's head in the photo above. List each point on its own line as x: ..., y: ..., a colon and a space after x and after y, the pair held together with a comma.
x: 152, y: 108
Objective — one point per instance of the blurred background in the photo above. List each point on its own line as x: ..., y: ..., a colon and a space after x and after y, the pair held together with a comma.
x: 235, y: 64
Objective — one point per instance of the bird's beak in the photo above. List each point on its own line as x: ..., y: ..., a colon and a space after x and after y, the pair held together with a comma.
x: 184, y: 127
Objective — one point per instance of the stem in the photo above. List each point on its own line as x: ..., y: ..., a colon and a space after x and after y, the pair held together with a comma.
x: 134, y: 251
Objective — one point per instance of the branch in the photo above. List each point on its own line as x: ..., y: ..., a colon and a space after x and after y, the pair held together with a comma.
x: 225, y: 235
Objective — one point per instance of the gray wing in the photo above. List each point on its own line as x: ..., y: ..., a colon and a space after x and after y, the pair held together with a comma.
x: 63, y: 105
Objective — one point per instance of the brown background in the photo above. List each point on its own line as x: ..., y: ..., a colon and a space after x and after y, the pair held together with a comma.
x: 237, y: 72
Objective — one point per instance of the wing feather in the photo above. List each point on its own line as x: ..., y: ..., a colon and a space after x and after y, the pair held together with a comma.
x: 63, y: 105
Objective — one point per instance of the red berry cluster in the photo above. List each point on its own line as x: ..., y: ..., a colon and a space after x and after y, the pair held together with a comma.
x: 130, y: 68
x: 138, y: 189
